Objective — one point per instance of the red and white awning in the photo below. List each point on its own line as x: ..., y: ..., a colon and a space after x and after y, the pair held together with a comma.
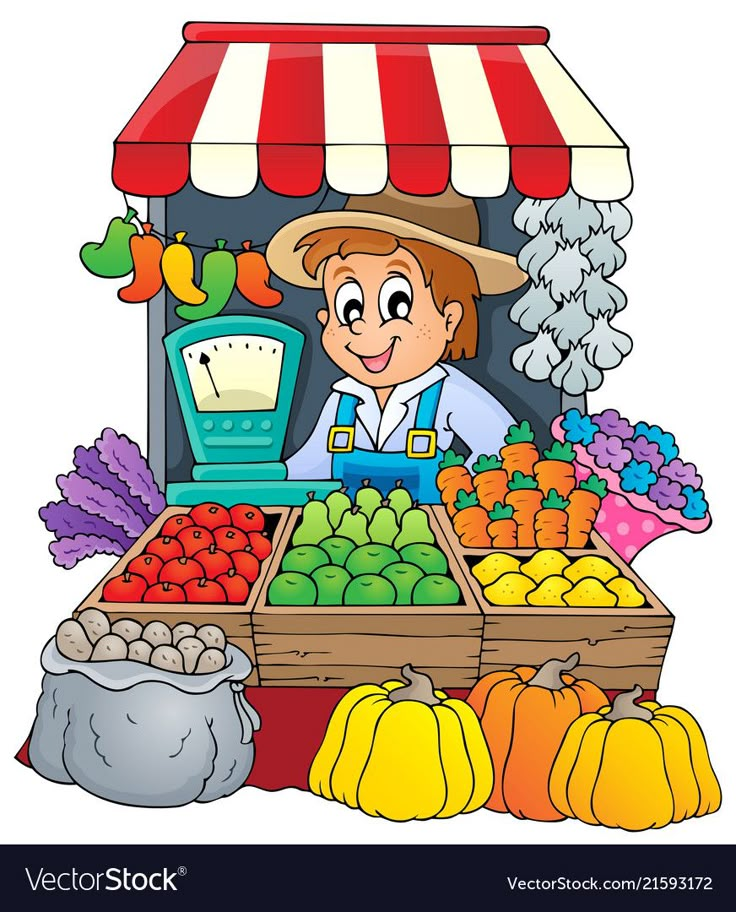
x: 360, y: 105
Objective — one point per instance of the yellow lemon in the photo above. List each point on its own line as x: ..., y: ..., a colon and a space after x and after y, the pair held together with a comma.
x: 509, y: 589
x: 589, y: 592
x: 547, y: 562
x: 626, y: 592
x: 550, y: 591
x: 597, y: 567
x: 493, y: 566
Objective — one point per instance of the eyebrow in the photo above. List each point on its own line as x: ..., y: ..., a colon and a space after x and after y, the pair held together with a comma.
x: 342, y: 269
x: 399, y: 263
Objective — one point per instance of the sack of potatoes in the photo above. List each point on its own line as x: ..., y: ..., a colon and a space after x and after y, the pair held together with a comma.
x: 153, y: 716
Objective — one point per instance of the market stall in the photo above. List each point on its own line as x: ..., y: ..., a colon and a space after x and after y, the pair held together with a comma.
x: 516, y: 555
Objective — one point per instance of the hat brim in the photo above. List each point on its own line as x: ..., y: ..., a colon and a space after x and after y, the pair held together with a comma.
x: 497, y: 272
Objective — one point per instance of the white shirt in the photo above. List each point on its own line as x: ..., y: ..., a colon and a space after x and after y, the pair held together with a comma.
x: 465, y: 408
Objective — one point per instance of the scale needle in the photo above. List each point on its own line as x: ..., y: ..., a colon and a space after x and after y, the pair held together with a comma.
x: 205, y: 359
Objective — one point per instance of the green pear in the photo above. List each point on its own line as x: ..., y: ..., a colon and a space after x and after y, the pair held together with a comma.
x: 403, y: 577
x: 337, y: 503
x: 384, y: 526
x: 292, y: 589
x: 368, y: 498
x: 315, y: 524
x: 304, y: 559
x: 331, y: 582
x: 370, y: 589
x: 414, y: 529
x: 399, y: 499
x: 436, y: 590
x: 426, y: 557
x: 338, y: 549
x: 354, y: 525
x: 370, y: 558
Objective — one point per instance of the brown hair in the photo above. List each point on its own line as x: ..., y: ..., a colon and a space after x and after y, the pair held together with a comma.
x: 447, y: 275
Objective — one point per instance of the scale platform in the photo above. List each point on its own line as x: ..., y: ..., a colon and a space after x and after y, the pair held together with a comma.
x: 260, y: 493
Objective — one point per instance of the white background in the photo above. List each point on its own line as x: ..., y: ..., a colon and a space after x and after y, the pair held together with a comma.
x: 73, y: 359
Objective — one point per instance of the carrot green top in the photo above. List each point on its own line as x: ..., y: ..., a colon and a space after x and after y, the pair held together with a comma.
x: 487, y: 464
x: 562, y: 452
x: 519, y: 482
x: 499, y: 511
x: 465, y: 500
x: 595, y: 485
x: 520, y: 433
x: 451, y: 459
x: 553, y: 501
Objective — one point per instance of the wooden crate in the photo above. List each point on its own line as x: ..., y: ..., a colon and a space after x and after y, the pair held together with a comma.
x: 344, y: 645
x: 618, y: 647
x: 235, y: 619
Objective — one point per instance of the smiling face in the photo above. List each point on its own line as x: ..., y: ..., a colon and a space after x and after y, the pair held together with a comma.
x: 381, y: 325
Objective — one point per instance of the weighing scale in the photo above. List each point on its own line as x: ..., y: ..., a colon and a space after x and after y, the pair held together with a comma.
x: 234, y: 378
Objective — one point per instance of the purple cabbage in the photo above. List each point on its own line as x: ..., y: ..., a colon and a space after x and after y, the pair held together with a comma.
x: 65, y: 520
x: 90, y: 465
x: 99, y: 501
x: 667, y: 494
x: 611, y: 423
x: 685, y: 473
x: 123, y: 458
x: 609, y: 452
x: 665, y: 441
x: 644, y: 450
x: 70, y: 550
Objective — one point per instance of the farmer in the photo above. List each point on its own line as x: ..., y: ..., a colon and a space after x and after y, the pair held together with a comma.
x: 401, y: 275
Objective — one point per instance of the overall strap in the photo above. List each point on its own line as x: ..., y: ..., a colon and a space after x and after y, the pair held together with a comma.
x: 346, y: 410
x: 427, y: 408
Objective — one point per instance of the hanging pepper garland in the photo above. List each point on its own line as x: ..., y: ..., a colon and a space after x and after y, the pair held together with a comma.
x: 154, y: 264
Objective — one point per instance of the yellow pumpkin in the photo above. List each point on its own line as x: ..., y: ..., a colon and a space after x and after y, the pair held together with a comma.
x: 403, y: 751
x: 634, y: 766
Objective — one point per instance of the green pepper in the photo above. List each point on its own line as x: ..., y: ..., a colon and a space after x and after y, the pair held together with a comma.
x: 112, y: 258
x: 219, y: 271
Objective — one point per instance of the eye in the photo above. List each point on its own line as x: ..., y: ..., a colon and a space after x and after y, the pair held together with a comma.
x: 394, y: 299
x: 349, y: 303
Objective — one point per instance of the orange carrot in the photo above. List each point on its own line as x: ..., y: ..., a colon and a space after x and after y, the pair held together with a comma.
x: 556, y: 470
x: 490, y: 482
x: 526, y: 500
x: 585, y: 501
x: 452, y: 478
x: 520, y: 453
x: 146, y: 250
x: 502, y: 527
x: 471, y: 521
x: 550, y: 523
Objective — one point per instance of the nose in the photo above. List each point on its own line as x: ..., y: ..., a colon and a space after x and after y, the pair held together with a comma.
x: 357, y: 327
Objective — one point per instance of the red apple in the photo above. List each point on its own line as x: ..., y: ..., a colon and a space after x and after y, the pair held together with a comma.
x: 165, y: 547
x: 248, y: 518
x: 210, y: 515
x: 195, y: 538
x: 229, y: 538
x: 146, y: 565
x: 165, y: 592
x: 174, y: 524
x: 236, y: 586
x: 247, y: 564
x: 181, y: 570
x: 214, y: 561
x: 204, y: 590
x: 260, y: 544
x: 127, y: 587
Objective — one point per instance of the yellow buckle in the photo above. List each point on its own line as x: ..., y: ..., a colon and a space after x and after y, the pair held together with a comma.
x: 421, y: 444
x: 341, y: 439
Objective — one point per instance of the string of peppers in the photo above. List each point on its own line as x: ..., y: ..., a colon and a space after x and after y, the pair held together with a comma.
x: 124, y: 251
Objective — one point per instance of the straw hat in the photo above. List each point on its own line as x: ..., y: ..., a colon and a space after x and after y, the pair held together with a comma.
x: 447, y: 220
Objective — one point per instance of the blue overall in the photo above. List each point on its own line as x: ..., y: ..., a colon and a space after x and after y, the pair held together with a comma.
x: 416, y: 473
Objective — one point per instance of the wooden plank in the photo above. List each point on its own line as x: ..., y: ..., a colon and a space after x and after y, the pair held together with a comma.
x: 605, y: 653
x: 591, y: 628
x: 406, y: 625
x: 350, y: 675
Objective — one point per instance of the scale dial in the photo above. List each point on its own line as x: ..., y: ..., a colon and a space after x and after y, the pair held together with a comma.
x: 234, y: 373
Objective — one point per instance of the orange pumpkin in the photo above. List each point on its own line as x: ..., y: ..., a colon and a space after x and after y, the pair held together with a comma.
x: 524, y: 715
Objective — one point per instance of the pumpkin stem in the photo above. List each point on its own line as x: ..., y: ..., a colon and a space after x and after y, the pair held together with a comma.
x: 624, y: 707
x: 420, y: 688
x: 549, y: 674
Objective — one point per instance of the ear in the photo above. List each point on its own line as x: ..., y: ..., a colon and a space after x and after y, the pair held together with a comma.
x: 453, y: 314
x: 323, y: 316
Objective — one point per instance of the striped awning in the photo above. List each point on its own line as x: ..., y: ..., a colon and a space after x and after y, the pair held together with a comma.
x: 361, y: 105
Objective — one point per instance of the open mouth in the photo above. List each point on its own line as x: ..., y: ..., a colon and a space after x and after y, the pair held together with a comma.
x: 376, y: 363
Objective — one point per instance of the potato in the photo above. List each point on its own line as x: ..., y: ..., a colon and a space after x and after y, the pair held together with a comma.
x: 95, y: 622
x: 191, y: 648
x: 110, y: 648
x: 168, y: 658
x: 212, y: 635
x: 184, y: 629
x: 72, y: 642
x: 128, y: 629
x: 210, y: 660
x: 140, y: 651
x: 157, y: 633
